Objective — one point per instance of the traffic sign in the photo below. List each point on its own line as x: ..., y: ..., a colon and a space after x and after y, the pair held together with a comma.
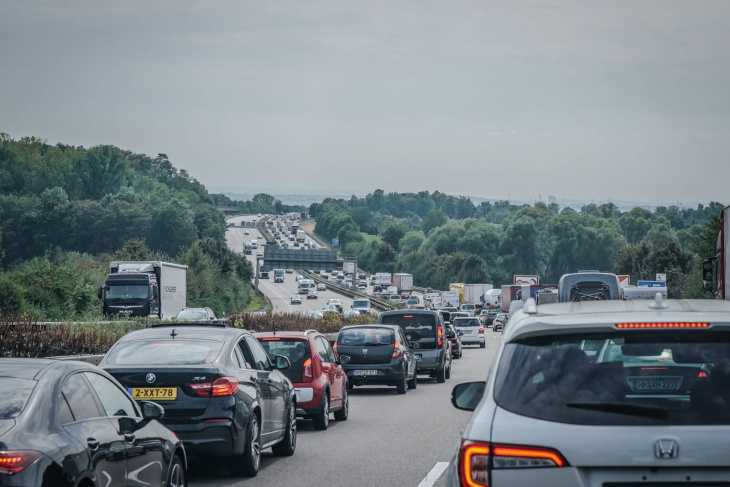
x: 652, y: 283
x: 624, y: 280
x: 661, y: 277
x: 335, y: 242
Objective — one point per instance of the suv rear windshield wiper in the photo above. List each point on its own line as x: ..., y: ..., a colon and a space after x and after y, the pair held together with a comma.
x: 370, y: 344
x: 623, y: 408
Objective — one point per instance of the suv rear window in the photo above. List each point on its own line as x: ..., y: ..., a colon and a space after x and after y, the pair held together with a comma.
x: 467, y: 322
x: 15, y: 394
x: 356, y: 337
x: 419, y: 328
x: 165, y: 352
x: 630, y: 378
x: 297, y: 351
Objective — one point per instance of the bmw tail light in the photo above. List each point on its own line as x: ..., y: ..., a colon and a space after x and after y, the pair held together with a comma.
x: 223, y: 386
x: 441, y: 337
x: 307, y: 371
x: 477, y: 459
x: 12, y: 462
x: 397, y: 352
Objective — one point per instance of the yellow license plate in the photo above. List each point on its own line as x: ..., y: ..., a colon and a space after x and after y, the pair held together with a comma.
x: 154, y: 393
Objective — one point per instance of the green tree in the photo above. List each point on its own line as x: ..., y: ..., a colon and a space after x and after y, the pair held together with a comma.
x: 103, y: 170
x: 393, y: 233
x: 433, y: 219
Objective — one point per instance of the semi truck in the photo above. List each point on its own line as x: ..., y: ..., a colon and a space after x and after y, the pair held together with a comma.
x: 716, y: 269
x: 492, y: 298
x: 144, y: 288
x: 474, y: 292
x: 382, y: 278
x: 588, y: 286
x: 404, y: 282
x: 450, y: 299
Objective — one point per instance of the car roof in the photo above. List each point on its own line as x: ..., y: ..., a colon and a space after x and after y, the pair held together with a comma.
x: 182, y: 331
x: 33, y: 368
x: 603, y: 315
x: 371, y: 325
x: 286, y: 334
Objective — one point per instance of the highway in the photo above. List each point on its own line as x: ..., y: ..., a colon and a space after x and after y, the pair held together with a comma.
x: 279, y: 293
x: 388, y: 440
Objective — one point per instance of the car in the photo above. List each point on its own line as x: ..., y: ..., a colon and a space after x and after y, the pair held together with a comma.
x: 330, y: 308
x: 317, y: 315
x: 290, y: 271
x: 469, y: 308
x: 312, y: 294
x: 458, y: 314
x: 647, y: 378
x: 296, y: 244
x: 336, y: 303
x: 455, y: 338
x: 321, y: 287
x: 245, y: 232
x: 350, y: 313
x: 499, y: 321
x: 471, y: 329
x: 362, y: 284
x: 223, y: 396
x: 296, y: 299
x: 424, y: 329
x: 377, y: 355
x: 196, y: 315
x: 259, y: 253
x: 484, y: 316
x: 319, y: 380
x: 412, y: 303
x: 67, y: 422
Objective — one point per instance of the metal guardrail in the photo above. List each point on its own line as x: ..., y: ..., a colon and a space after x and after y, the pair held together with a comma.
x: 375, y: 303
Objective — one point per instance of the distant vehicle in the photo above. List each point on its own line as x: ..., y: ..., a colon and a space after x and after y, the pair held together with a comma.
x: 301, y: 236
x: 296, y: 299
x: 304, y: 286
x: 278, y: 275
x: 716, y: 269
x: 290, y: 271
x: 312, y: 294
x: 473, y: 293
x: 245, y: 232
x: 254, y: 244
x: 196, y: 315
x: 455, y: 338
x: 361, y: 305
x: 468, y: 308
x: 588, y: 286
x: 350, y: 313
x: 260, y: 253
x: 247, y: 248
x: 499, y: 321
x: 403, y: 282
x: 263, y: 274
x: 336, y: 303
x: 471, y: 329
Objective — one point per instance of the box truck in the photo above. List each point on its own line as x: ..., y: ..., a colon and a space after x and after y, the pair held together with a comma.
x: 404, y: 282
x: 473, y: 292
x: 716, y: 269
x: 144, y: 288
x: 382, y: 278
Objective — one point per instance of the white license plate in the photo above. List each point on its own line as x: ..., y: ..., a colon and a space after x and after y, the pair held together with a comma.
x: 366, y: 372
x: 655, y: 385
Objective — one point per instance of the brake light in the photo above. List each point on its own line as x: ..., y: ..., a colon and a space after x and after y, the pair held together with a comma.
x: 476, y: 459
x: 12, y: 462
x: 662, y: 325
x: 307, y: 371
x: 481, y: 330
x: 270, y: 339
x: 397, y: 352
x: 335, y: 346
x: 223, y: 386
x: 702, y: 375
x: 441, y: 337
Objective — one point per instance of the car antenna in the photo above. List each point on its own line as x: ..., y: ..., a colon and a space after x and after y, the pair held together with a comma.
x: 173, y: 334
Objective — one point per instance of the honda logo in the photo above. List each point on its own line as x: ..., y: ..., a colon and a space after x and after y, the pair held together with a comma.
x: 666, y: 448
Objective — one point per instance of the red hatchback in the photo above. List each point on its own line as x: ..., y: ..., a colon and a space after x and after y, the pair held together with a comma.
x: 319, y: 380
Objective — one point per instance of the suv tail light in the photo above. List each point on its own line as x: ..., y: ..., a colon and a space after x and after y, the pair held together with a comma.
x: 481, y: 330
x: 441, y: 337
x: 397, y: 352
x: 477, y: 459
x: 307, y: 371
x: 12, y: 462
x: 223, y: 386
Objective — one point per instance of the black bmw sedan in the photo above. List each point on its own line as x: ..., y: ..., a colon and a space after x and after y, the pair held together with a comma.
x: 68, y: 423
x: 222, y: 394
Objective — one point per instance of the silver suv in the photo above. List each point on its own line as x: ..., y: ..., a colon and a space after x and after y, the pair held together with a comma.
x: 603, y: 393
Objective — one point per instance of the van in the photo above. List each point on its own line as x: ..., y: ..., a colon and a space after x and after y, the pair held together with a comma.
x: 425, y: 332
x: 304, y: 286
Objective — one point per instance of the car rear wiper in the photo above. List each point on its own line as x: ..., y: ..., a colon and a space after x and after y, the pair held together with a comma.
x: 370, y: 344
x: 623, y: 408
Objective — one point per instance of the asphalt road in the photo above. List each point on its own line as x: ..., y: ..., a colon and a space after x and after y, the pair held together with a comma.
x: 388, y: 440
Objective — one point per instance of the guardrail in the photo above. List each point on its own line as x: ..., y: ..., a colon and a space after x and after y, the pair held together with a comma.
x: 375, y: 303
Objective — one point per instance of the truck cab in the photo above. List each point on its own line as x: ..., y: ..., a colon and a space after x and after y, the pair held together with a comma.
x: 278, y: 275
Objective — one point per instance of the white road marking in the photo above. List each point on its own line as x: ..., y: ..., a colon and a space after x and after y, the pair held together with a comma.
x: 434, y: 475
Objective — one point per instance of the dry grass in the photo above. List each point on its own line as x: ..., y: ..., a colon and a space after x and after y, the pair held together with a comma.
x: 331, y: 323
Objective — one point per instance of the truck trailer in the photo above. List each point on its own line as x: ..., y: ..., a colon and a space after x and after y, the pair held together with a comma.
x: 588, y: 286
x: 716, y: 269
x: 144, y: 288
x: 473, y: 293
x: 404, y: 282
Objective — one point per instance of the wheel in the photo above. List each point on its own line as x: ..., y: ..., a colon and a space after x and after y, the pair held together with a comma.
x: 482, y: 345
x: 413, y: 383
x: 441, y: 376
x: 286, y: 447
x: 342, y: 414
x: 247, y: 465
x: 400, y: 387
x: 448, y: 372
x: 322, y: 419
x: 177, y: 473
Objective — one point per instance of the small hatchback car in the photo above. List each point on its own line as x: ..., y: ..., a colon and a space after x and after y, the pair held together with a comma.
x: 602, y: 393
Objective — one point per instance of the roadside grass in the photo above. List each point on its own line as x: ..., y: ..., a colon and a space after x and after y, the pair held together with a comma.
x: 367, y: 238
x: 256, y: 302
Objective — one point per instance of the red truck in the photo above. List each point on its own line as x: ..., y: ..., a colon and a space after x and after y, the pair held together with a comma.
x: 716, y: 269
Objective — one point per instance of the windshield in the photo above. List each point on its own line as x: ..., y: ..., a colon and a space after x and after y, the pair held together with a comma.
x: 466, y: 322
x: 191, y: 314
x: 361, y: 303
x: 297, y: 351
x: 646, y: 378
x: 117, y: 291
x: 165, y: 352
x: 16, y: 393
x: 420, y: 328
x: 366, y: 336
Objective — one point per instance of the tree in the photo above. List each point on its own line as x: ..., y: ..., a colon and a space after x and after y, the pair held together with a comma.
x: 103, y: 170
x: 433, y: 219
x: 393, y: 233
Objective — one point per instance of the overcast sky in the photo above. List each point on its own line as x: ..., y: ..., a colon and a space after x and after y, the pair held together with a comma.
x: 585, y: 99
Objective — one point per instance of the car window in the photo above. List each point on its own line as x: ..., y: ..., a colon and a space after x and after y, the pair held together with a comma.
x: 15, y: 395
x: 638, y: 378
x: 165, y: 352
x: 467, y: 322
x: 297, y: 351
x: 420, y: 328
x: 260, y: 360
x: 64, y: 411
x: 375, y: 335
x: 114, y: 401
x: 238, y: 358
x: 321, y: 350
x: 79, y: 398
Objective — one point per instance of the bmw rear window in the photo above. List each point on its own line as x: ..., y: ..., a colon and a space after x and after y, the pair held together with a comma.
x: 419, y: 328
x: 632, y: 377
x: 165, y: 352
x: 16, y: 393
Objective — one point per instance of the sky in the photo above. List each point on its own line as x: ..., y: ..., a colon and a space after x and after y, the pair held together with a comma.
x: 496, y: 99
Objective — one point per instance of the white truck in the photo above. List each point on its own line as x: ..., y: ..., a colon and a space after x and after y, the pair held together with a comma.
x: 404, y: 282
x: 492, y: 298
x: 450, y: 299
x: 301, y: 236
x: 474, y: 292
x: 382, y: 278
x: 144, y: 288
x: 361, y: 305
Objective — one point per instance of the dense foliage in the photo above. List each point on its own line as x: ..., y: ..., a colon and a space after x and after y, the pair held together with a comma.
x: 442, y: 239
x: 66, y: 211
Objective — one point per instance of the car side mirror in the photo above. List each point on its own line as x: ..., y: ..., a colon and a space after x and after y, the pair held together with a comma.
x: 282, y: 362
x: 344, y: 359
x: 151, y: 410
x: 466, y: 396
x: 99, y: 291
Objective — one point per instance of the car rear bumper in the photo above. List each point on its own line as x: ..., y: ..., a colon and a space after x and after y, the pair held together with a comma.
x: 219, y: 438
x: 430, y: 362
x: 472, y: 340
x: 387, y: 374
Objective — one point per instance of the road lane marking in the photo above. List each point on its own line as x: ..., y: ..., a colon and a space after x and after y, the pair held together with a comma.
x: 434, y: 475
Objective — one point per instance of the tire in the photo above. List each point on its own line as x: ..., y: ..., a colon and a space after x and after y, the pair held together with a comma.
x: 400, y: 387
x: 458, y: 355
x: 287, y: 445
x: 177, y: 477
x: 441, y: 376
x: 344, y: 412
x: 448, y: 372
x: 483, y: 345
x: 461, y: 352
x: 247, y: 465
x: 321, y: 420
x: 413, y: 383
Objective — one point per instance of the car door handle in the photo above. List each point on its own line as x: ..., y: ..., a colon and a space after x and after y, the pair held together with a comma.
x: 93, y: 443
x: 129, y: 437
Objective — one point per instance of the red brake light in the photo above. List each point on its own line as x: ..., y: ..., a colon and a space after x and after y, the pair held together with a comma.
x: 476, y: 459
x: 474, y: 464
x: 662, y: 325
x: 307, y: 371
x: 335, y: 346
x: 223, y: 386
x: 12, y: 462
x: 441, y: 337
x: 270, y: 339
x: 397, y: 352
x: 702, y: 375
x: 481, y: 330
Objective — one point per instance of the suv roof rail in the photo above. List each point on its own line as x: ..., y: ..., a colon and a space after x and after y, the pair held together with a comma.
x: 311, y: 330
x: 217, y: 323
